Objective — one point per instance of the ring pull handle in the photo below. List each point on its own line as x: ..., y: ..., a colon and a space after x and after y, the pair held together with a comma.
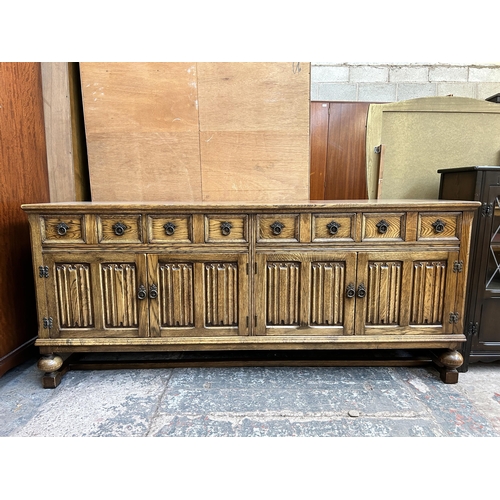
x: 169, y: 228
x: 141, y: 295
x: 438, y: 226
x: 361, y: 291
x: 119, y: 228
x: 62, y: 228
x: 277, y: 227
x: 333, y: 227
x: 153, y: 291
x: 382, y: 226
x: 225, y: 228
x: 350, y: 291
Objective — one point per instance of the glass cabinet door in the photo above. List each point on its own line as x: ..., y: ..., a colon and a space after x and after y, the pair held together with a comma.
x: 493, y: 267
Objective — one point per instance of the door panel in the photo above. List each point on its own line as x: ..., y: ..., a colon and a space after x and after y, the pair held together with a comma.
x: 198, y: 295
x: 406, y: 293
x: 93, y: 295
x: 305, y: 293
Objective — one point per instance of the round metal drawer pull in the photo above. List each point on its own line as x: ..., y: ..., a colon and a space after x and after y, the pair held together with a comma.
x: 142, y: 293
x: 361, y: 291
x: 350, y: 291
x: 438, y: 226
x: 153, y: 292
x: 333, y: 227
x: 62, y: 228
x: 382, y: 226
x: 225, y: 228
x: 276, y: 228
x: 169, y: 228
x: 119, y: 228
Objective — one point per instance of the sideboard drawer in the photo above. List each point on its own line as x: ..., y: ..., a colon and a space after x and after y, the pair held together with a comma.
x: 438, y: 226
x: 119, y: 229
x: 280, y: 227
x: 387, y: 226
x: 327, y: 227
x: 226, y: 228
x: 170, y: 228
x: 62, y: 229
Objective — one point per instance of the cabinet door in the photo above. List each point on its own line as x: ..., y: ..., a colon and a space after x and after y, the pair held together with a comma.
x: 96, y: 295
x: 406, y: 293
x: 198, y: 294
x: 487, y: 307
x: 305, y: 293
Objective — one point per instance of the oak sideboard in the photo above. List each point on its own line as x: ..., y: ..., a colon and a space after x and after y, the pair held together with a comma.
x: 326, y: 275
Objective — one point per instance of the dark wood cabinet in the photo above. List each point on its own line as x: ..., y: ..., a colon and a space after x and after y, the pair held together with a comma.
x: 482, y: 320
x: 24, y: 179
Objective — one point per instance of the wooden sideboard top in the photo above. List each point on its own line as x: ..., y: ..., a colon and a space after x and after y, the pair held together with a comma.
x: 403, y: 204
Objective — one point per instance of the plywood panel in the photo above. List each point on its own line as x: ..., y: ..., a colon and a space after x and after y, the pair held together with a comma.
x: 254, y: 96
x: 254, y: 166
x: 145, y: 167
x: 254, y: 131
x: 142, y: 131
x: 176, y: 131
x: 423, y: 135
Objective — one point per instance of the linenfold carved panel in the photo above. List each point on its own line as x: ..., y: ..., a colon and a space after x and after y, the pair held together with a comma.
x: 429, y: 278
x: 119, y: 283
x: 384, y: 293
x: 221, y: 294
x: 283, y: 288
x: 327, y: 297
x: 176, y: 295
x: 74, y: 295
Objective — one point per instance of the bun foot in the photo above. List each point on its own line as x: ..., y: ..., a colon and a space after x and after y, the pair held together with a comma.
x: 447, y: 364
x: 51, y: 365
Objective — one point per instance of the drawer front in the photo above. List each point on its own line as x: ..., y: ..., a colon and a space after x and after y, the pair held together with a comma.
x: 438, y: 226
x: 170, y: 229
x: 280, y: 227
x: 384, y: 226
x: 119, y: 229
x: 62, y: 229
x: 327, y: 227
x: 226, y: 229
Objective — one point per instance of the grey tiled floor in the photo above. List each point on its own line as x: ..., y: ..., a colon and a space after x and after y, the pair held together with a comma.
x: 252, y: 402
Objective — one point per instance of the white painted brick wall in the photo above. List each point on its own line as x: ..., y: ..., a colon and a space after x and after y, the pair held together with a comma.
x: 388, y: 82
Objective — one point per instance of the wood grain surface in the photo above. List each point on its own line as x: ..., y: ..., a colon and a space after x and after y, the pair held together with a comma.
x: 23, y: 179
x: 197, y: 131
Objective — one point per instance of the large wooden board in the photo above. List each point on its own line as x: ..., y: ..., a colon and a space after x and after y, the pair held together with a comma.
x: 420, y: 136
x: 197, y: 131
x: 141, y: 123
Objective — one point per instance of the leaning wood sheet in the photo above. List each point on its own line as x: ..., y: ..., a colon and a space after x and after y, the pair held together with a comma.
x: 423, y: 135
x: 141, y: 122
x: 197, y: 131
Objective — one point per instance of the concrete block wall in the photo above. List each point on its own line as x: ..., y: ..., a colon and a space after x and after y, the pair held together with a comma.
x: 389, y: 82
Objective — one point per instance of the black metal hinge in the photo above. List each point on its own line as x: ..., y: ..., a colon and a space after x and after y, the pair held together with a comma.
x: 472, y: 329
x: 43, y: 271
x: 47, y: 323
x: 454, y: 317
x: 487, y: 209
x: 458, y: 266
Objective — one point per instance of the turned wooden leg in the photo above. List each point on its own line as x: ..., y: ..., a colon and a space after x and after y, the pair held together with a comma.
x: 447, y: 364
x: 50, y: 364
